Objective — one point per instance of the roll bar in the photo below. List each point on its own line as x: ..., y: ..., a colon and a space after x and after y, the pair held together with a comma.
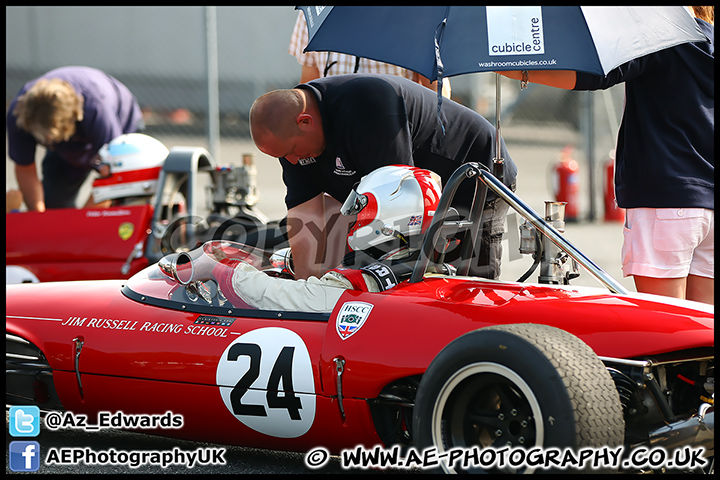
x: 484, y: 180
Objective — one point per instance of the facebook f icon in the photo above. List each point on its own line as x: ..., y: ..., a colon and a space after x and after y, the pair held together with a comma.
x: 24, y: 456
x: 24, y: 421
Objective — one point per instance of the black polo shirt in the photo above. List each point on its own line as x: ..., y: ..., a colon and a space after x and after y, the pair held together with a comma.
x: 372, y: 121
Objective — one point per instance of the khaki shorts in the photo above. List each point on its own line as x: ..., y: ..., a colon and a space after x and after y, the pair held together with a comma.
x: 669, y: 242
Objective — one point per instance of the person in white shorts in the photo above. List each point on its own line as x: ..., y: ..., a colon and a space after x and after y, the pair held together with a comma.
x: 671, y: 251
x: 665, y: 163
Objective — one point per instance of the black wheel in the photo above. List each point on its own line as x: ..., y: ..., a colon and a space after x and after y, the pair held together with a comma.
x: 521, y: 386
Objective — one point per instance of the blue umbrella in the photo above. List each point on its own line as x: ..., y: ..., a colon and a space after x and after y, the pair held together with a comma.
x: 438, y: 42
x: 445, y: 41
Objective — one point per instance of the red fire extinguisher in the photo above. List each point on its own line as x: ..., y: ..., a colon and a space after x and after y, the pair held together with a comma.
x: 566, y: 180
x: 613, y: 213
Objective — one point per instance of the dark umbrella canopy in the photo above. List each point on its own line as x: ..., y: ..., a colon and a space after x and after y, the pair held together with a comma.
x: 440, y: 42
x: 445, y: 41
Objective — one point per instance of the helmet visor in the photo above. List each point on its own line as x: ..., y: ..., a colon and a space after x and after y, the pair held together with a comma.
x: 354, y: 203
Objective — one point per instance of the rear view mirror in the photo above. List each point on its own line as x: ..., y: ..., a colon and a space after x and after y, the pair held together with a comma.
x: 182, y: 268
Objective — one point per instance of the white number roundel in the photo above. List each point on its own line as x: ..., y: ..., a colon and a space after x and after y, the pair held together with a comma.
x: 266, y: 381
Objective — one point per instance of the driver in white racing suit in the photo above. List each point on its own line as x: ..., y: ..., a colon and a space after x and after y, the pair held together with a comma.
x: 394, y: 206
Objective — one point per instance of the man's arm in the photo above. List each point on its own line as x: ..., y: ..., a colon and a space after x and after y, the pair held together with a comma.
x: 306, y: 231
x: 318, y: 236
x: 30, y: 187
x: 308, y: 73
x: 338, y: 227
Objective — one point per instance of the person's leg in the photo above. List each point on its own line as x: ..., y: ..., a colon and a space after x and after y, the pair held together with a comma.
x: 669, y: 287
x: 666, y: 250
x: 701, y: 280
x: 701, y: 289
x: 487, y: 257
x: 61, y: 182
x: 487, y: 251
x: 13, y: 201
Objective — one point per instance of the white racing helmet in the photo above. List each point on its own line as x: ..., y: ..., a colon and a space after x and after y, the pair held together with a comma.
x: 395, y: 202
x: 135, y: 162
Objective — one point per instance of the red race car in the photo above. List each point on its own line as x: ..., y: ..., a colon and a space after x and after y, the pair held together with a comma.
x: 148, y: 218
x: 442, y: 360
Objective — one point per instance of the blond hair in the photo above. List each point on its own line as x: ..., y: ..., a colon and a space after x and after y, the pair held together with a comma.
x: 705, y: 13
x: 50, y: 109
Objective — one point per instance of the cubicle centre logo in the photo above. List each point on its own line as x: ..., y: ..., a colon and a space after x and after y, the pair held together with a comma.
x: 24, y: 421
x: 515, y: 31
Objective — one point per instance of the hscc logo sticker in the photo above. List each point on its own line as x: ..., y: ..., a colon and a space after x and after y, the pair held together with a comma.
x: 351, y: 317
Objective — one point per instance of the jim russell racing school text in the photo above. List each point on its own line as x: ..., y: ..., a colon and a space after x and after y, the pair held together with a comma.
x: 157, y: 327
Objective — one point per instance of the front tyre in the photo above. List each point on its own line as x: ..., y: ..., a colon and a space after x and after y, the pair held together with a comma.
x: 517, y: 386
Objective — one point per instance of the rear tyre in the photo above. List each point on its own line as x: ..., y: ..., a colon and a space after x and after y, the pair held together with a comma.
x: 517, y: 386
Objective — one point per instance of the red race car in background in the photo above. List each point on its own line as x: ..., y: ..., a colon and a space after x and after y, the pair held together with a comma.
x: 442, y: 360
x: 119, y: 241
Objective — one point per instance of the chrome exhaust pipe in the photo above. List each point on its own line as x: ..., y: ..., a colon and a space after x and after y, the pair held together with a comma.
x: 696, y: 431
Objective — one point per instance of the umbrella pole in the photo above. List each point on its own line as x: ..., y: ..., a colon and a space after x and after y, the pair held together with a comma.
x: 498, y: 160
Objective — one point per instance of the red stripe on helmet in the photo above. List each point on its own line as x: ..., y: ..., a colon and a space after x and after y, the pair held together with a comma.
x: 366, y: 215
x: 431, y: 197
x: 129, y: 177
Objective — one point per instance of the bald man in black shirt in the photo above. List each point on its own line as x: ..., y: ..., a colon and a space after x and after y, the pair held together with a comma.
x: 332, y: 131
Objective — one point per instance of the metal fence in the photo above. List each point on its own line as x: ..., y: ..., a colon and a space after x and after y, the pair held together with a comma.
x: 197, y: 70
x: 169, y: 57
